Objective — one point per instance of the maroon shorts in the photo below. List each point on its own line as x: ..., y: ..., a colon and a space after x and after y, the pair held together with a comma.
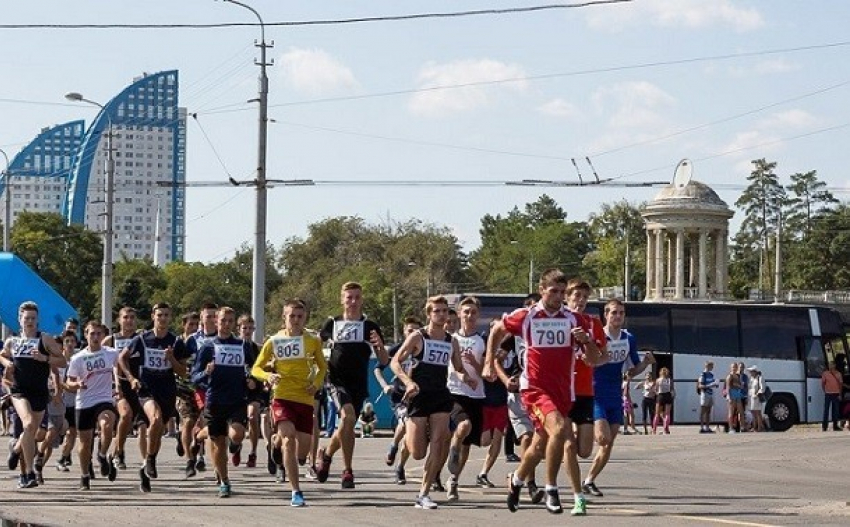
x: 539, y: 404
x: 299, y: 414
x: 495, y: 418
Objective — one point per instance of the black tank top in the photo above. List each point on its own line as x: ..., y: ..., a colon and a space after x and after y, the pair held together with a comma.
x: 30, y: 375
x: 431, y: 365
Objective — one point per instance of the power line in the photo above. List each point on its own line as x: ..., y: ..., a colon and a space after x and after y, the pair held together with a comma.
x: 324, y: 22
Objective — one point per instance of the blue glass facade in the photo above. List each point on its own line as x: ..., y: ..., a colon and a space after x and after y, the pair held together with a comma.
x: 146, y: 108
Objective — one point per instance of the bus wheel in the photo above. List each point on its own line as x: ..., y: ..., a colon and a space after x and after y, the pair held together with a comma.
x: 781, y: 412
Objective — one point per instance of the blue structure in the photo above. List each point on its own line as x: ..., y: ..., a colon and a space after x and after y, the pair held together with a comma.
x: 51, y: 154
x: 151, y: 102
x: 18, y: 284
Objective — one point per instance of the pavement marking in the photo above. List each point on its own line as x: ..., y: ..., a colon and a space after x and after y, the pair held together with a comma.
x: 638, y: 512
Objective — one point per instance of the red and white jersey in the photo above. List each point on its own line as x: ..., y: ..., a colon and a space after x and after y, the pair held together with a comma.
x: 549, y: 356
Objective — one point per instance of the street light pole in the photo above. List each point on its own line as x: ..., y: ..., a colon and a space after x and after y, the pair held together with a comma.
x: 106, y: 275
x: 7, y: 223
x: 531, y: 274
x: 258, y: 279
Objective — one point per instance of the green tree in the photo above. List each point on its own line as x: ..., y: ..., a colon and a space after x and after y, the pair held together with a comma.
x: 68, y: 257
x: 517, y: 247
x: 615, y: 228
x: 137, y: 283
x: 809, y: 196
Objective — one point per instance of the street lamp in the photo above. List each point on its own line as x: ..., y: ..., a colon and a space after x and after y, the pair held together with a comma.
x: 258, y: 279
x: 106, y: 279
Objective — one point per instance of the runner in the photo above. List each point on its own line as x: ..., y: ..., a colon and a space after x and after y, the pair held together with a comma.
x: 187, y: 402
x: 160, y: 355
x: 607, y: 378
x: 395, y: 391
x: 90, y: 375
x: 129, y: 408
x: 69, y: 398
x: 56, y: 424
x: 258, y: 397
x: 588, y: 355
x: 428, y: 398
x: 192, y: 446
x: 353, y: 337
x: 221, y: 366
x: 28, y: 360
x: 299, y: 370
x: 468, y: 394
x: 546, y: 381
x: 495, y: 415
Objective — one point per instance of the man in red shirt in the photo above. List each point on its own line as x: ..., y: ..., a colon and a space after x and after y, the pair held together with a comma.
x: 546, y: 382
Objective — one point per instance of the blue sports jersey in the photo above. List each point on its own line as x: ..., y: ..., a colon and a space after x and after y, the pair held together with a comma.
x: 608, y: 377
x: 707, y: 379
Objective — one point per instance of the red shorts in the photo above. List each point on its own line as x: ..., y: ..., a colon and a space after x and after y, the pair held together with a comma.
x: 495, y: 418
x: 539, y: 404
x: 200, y: 398
x: 299, y: 414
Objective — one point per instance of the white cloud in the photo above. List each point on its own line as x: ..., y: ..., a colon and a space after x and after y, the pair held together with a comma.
x: 695, y: 14
x: 314, y: 71
x: 460, y: 73
x: 560, y: 108
x: 635, y: 104
x: 789, y: 119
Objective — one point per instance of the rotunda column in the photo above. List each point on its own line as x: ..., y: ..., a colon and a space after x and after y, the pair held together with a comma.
x: 650, y: 264
x: 659, y: 264
x: 703, y: 275
x: 680, y: 264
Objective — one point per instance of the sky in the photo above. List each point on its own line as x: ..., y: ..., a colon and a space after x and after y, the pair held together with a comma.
x: 434, y: 102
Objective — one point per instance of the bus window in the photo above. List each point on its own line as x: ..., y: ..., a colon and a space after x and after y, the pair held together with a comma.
x: 650, y: 324
x: 773, y: 333
x: 705, y: 331
x: 815, y: 357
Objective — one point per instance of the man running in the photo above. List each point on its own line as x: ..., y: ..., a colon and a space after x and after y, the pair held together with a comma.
x: 257, y: 396
x: 299, y: 370
x: 546, y: 380
x: 28, y: 360
x: 129, y: 408
x: 90, y: 374
x: 194, y: 448
x: 160, y: 355
x: 607, y: 388
x: 354, y: 337
x: 221, y: 366
x: 467, y: 394
x: 187, y: 399
x: 395, y: 391
x: 429, y: 400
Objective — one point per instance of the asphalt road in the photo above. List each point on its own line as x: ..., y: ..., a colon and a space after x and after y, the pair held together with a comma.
x: 800, y: 477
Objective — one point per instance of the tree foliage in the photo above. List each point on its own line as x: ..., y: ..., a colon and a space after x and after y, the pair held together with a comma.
x: 613, y: 229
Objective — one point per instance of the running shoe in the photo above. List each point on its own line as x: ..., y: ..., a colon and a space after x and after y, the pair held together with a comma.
x: 535, y: 493
x: 85, y: 483
x: 190, y: 469
x: 14, y: 457
x: 277, y: 455
x: 323, y: 467
x: 453, y: 463
x: 104, y: 465
x: 91, y: 470
x: 235, y: 453
x: 179, y: 448
x: 512, y: 458
x: 252, y: 461
x: 281, y: 475
x: 200, y: 465
x: 224, y: 490
x: 113, y: 470
x: 297, y: 499
x: 400, y: 478
x: 38, y: 463
x: 347, y: 479
x: 425, y: 502
x: 39, y: 476
x: 437, y: 485
x: 271, y: 466
x: 122, y: 464
x: 150, y: 467
x: 513, y: 493
x: 144, y: 481
x: 22, y: 481
x: 484, y: 482
x: 553, y: 502
x: 32, y: 482
x: 61, y: 466
x: 579, y: 508
x: 311, y: 473
x: 392, y: 451
x: 591, y: 488
x: 452, y: 493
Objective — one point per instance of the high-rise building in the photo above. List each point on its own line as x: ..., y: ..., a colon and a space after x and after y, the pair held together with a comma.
x: 149, y: 150
x: 38, y: 174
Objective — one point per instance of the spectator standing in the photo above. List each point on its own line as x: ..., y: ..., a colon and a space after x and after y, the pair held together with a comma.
x: 648, y: 403
x: 705, y: 387
x: 831, y: 382
x: 756, y: 398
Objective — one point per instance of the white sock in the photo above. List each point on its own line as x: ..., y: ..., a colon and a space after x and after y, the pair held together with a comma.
x: 578, y: 496
x: 551, y: 488
x: 589, y: 480
x: 516, y: 481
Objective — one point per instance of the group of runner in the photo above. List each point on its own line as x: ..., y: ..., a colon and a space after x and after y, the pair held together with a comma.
x: 547, y: 369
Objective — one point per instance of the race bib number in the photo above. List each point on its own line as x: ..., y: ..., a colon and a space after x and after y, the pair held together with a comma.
x: 25, y: 348
x: 618, y: 350
x: 436, y: 352
x: 95, y: 363
x: 466, y: 344
x: 155, y: 360
x: 120, y: 344
x: 550, y: 332
x: 349, y: 331
x: 229, y: 355
x: 288, y: 348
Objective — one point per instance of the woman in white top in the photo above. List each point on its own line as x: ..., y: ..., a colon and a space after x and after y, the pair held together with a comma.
x: 664, y: 400
x: 648, y: 403
x: 755, y: 394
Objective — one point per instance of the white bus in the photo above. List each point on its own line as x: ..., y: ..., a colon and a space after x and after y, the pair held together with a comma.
x: 790, y: 344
